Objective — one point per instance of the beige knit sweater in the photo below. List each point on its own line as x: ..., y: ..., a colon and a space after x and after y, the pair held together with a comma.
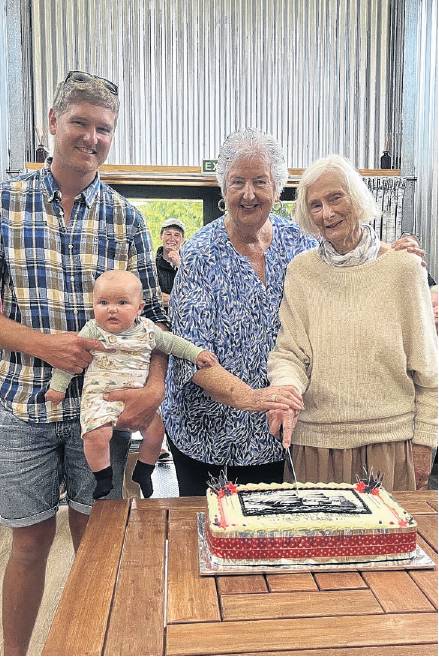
x: 360, y: 344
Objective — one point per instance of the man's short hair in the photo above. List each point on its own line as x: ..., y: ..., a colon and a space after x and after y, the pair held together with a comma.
x: 94, y: 90
x: 172, y: 222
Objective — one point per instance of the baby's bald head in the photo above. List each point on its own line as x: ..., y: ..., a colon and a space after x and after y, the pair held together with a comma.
x: 120, y: 279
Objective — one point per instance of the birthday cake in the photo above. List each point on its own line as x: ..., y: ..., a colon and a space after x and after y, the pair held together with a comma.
x: 321, y: 523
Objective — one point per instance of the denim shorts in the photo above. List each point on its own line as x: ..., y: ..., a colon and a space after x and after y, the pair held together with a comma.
x: 36, y: 458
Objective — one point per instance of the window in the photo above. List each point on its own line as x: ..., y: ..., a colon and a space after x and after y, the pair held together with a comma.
x: 189, y: 211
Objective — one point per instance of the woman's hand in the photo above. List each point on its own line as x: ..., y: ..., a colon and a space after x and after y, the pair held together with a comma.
x: 422, y: 457
x: 410, y: 244
x: 226, y: 388
x: 285, y: 420
x: 273, y: 398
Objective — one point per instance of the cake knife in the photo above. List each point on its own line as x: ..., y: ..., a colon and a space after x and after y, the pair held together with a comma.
x: 290, y: 462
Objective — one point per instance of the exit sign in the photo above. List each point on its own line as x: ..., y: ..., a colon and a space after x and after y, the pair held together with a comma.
x: 209, y: 166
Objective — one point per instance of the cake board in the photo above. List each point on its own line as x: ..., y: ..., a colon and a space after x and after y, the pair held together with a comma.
x: 210, y: 565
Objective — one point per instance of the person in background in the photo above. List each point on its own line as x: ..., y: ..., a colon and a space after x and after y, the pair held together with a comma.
x: 356, y: 341
x: 167, y: 262
x: 168, y: 255
x: 129, y: 341
x: 60, y: 228
x: 226, y: 299
x: 433, y: 294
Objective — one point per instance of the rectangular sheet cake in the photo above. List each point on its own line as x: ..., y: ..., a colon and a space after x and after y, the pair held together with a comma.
x: 322, y: 523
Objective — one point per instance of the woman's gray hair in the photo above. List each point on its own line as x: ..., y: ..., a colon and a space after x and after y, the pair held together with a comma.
x: 364, y: 205
x: 252, y: 143
x: 92, y: 91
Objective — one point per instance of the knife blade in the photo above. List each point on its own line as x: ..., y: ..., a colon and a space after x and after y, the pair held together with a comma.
x: 289, y: 460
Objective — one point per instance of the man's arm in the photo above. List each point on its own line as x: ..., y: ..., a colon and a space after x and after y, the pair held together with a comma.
x: 60, y: 379
x: 66, y: 351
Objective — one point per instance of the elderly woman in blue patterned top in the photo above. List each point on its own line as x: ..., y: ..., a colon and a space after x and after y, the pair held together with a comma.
x: 226, y: 295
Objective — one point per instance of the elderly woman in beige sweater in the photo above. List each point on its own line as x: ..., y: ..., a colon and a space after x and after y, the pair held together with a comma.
x: 357, y: 340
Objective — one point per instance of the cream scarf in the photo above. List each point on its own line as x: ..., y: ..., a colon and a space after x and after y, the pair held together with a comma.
x: 367, y: 249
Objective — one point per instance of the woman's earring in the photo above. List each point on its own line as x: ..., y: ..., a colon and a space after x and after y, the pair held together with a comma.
x: 278, y: 207
x: 222, y: 206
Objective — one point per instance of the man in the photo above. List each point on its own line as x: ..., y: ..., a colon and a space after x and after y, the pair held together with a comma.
x: 168, y: 255
x: 60, y: 229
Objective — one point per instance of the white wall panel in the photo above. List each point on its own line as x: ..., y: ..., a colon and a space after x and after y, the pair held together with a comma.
x: 426, y: 136
x: 313, y: 72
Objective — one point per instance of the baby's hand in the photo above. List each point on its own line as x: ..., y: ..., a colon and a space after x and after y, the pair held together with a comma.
x: 206, y: 359
x: 54, y: 396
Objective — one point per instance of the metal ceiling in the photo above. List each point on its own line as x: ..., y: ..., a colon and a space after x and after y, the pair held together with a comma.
x: 315, y: 73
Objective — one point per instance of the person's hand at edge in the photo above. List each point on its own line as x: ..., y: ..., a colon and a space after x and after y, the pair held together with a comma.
x: 410, y: 244
x: 422, y: 461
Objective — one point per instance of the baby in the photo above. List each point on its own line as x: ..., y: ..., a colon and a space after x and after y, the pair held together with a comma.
x: 129, y: 340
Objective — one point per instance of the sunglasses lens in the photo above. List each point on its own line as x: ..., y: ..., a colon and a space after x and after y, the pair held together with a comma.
x: 112, y: 87
x: 81, y: 76
x: 78, y: 76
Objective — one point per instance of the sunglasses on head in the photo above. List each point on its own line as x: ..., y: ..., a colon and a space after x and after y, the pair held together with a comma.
x: 81, y: 76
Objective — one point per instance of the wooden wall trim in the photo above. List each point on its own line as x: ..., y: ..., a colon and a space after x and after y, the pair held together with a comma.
x: 136, y: 174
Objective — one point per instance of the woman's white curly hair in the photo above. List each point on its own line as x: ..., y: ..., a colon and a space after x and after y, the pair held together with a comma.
x: 364, y: 206
x: 252, y: 143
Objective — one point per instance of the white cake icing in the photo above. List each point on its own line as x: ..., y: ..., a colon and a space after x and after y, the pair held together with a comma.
x: 313, y: 523
x: 352, y: 509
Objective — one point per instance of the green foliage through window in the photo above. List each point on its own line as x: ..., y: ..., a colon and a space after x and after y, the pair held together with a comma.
x: 287, y: 209
x: 156, y: 211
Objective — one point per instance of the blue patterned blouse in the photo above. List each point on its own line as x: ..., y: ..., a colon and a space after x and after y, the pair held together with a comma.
x: 219, y: 303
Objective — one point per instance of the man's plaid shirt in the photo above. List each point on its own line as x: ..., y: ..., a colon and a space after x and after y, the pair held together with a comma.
x: 47, y: 271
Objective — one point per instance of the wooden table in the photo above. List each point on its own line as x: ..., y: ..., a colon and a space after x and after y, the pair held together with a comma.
x: 123, y: 597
